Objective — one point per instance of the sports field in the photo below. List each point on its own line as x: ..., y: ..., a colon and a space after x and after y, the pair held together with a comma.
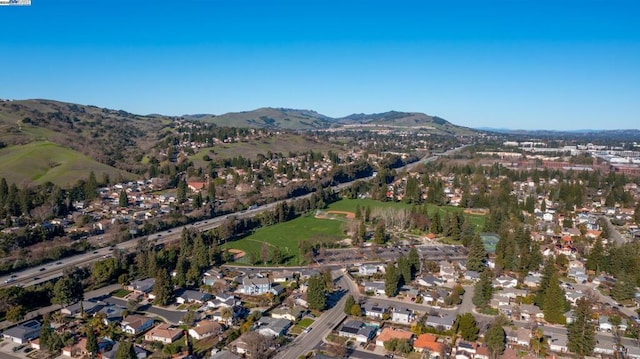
x: 287, y: 235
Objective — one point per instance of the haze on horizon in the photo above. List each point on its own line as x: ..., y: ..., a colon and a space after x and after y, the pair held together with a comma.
x: 504, y: 64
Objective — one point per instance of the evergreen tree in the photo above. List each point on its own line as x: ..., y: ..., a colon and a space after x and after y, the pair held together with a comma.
x: 483, y: 289
x: 317, y: 293
x: 581, y: 332
x: 404, y: 269
x: 46, y: 333
x: 625, y: 287
x: 436, y: 223
x: 123, y: 199
x: 91, y: 187
x: 211, y: 192
x: 636, y: 213
x: 356, y: 310
x: 596, y: 256
x: 126, y: 350
x: 414, y: 261
x: 182, y: 188
x: 92, y: 342
x: 391, y: 280
x: 163, y: 287
x: 554, y: 302
x: 495, y: 339
x: 477, y: 254
x: 466, y: 326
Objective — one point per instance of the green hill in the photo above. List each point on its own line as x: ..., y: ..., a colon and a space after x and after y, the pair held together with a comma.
x: 267, y: 117
x: 41, y: 161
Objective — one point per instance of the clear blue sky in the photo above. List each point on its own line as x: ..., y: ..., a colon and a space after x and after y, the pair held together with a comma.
x: 557, y: 64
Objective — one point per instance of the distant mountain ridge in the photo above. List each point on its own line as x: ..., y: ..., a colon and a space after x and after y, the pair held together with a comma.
x: 295, y: 119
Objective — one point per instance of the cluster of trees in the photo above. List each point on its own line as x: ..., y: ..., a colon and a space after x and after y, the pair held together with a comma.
x: 318, y: 288
x: 621, y: 262
x: 396, y: 277
x: 516, y: 252
x: 550, y: 296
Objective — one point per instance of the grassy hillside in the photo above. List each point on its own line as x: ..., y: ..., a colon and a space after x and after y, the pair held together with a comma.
x: 42, y: 161
x: 269, y: 118
x: 283, y: 143
x: 408, y: 120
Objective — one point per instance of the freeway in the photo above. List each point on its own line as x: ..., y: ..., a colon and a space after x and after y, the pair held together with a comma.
x: 322, y: 326
x: 40, y: 274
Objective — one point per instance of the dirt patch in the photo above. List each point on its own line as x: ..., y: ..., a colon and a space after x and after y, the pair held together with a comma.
x: 477, y: 211
x: 335, y: 214
x: 237, y: 254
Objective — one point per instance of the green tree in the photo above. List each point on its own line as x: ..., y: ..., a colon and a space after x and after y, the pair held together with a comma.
x: 380, y: 235
x: 495, y: 339
x: 483, y: 289
x: 625, y: 287
x: 91, y: 187
x: 92, y: 342
x: 596, y: 256
x: 67, y: 290
x: 276, y: 256
x: 350, y: 302
x: 581, y: 332
x: 163, y: 287
x: 414, y: 261
x: 317, y: 293
x: 636, y: 213
x: 123, y: 199
x: 405, y: 269
x: 554, y: 302
x: 126, y: 350
x: 356, y: 310
x: 391, y: 280
x: 181, y: 194
x: 211, y: 192
x: 15, y: 313
x: 467, y: 327
x: 477, y: 254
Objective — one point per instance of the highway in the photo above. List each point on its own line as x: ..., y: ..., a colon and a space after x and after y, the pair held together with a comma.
x: 50, y: 271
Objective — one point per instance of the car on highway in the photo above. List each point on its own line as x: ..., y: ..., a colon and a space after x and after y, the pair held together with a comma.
x: 36, y: 278
x: 10, y: 280
x: 58, y: 263
x: 307, y: 330
x: 42, y: 269
x: 95, y: 252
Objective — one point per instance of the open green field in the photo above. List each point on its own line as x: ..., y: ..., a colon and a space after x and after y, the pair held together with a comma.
x: 351, y: 204
x: 287, y: 235
x: 43, y: 161
x: 284, y: 143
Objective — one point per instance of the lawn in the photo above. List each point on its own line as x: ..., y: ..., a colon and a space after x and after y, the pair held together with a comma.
x: 120, y: 293
x: 305, y: 322
x: 287, y: 235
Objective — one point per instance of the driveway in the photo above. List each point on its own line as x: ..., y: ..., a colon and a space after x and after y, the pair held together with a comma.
x: 170, y: 316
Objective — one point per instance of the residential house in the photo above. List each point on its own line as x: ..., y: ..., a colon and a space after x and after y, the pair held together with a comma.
x: 376, y: 288
x: 112, y: 313
x: 471, y: 275
x: 282, y: 276
x: 375, y: 310
x: 240, y: 345
x: 191, y: 296
x: 223, y: 300
x: 136, y: 324
x: 164, y: 333
x: 89, y: 307
x: 557, y: 342
x: 205, y: 329
x: 356, y: 329
x: 367, y: 269
x: 223, y: 354
x: 211, y: 276
x: 272, y: 327
x: 23, y: 332
x: 532, y: 280
x: 505, y: 282
x: 429, y: 280
x: 482, y: 352
x: 255, y: 286
x: 391, y: 333
x: 520, y: 336
x: 448, y: 272
x: 530, y: 311
x: 429, y: 343
x: 143, y: 286
x: 111, y: 354
x: 76, y: 350
x: 402, y: 315
x: 292, y: 314
x: 445, y: 322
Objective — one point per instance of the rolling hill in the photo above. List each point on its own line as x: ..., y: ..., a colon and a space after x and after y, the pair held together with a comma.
x: 283, y: 118
x: 268, y: 117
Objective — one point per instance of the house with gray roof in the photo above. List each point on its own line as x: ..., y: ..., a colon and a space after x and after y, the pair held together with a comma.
x: 143, y: 286
x: 272, y: 327
x: 255, y: 286
x: 22, y: 333
x: 374, y: 310
x: 191, y: 296
x: 446, y: 321
x: 89, y: 306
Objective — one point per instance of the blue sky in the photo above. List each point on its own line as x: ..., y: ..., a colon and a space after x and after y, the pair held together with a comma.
x: 558, y: 64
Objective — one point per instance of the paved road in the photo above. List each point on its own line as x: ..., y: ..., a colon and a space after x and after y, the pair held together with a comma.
x: 322, y: 326
x: 614, y: 233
